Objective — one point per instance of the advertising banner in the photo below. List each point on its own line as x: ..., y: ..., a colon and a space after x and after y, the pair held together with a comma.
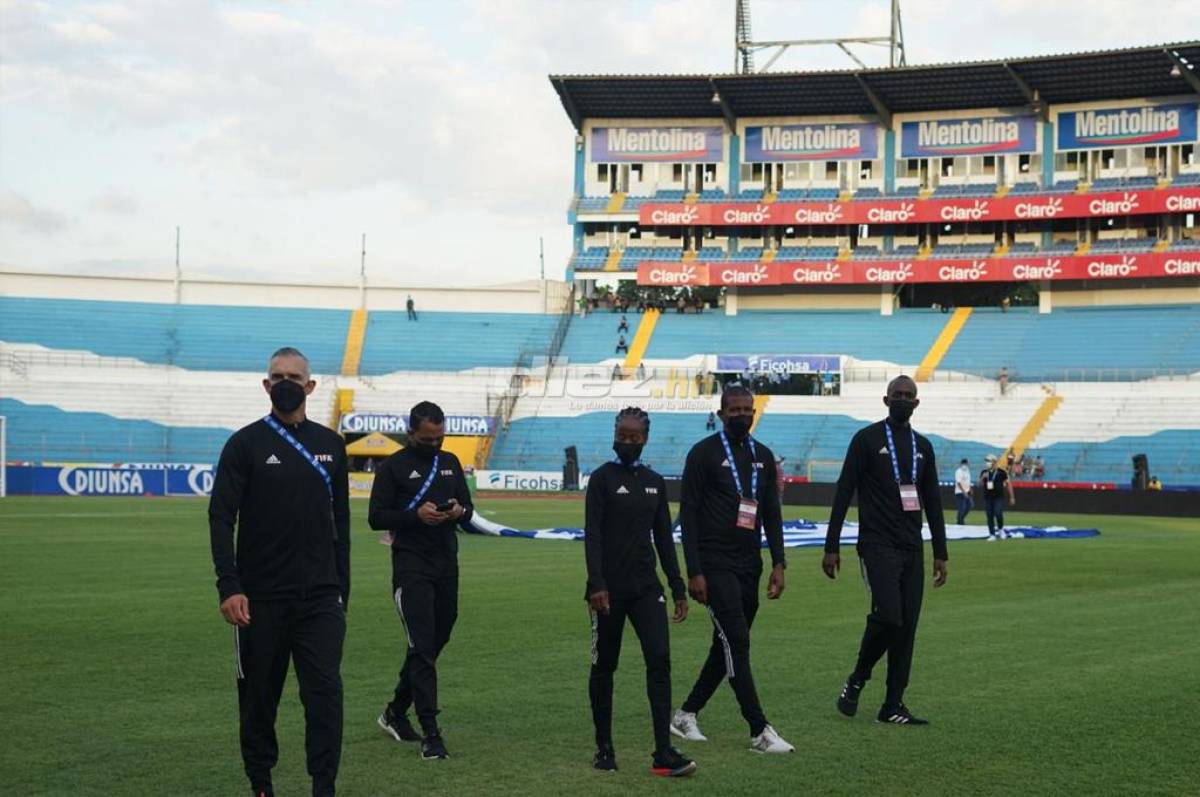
x: 1127, y: 127
x: 522, y: 480
x: 366, y: 422
x: 914, y: 211
x: 987, y: 269
x: 978, y: 135
x: 817, y: 142
x: 677, y: 273
x: 644, y: 144
x: 779, y: 363
x: 188, y: 480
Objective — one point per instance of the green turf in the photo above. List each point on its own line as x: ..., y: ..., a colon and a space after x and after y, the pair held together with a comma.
x: 1048, y: 667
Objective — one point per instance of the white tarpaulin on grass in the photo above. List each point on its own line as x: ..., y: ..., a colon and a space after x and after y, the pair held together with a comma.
x: 796, y: 533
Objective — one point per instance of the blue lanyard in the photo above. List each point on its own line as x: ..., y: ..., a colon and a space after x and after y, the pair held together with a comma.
x: 737, y: 479
x: 416, y: 499
x: 304, y: 452
x: 892, y: 450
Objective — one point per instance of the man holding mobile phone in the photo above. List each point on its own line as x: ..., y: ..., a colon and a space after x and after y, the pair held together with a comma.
x: 420, y: 494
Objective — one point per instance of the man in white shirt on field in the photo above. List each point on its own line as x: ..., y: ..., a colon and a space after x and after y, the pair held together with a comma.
x: 962, y: 490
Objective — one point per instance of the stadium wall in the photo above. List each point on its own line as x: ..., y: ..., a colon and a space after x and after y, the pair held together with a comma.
x: 1144, y: 292
x: 813, y: 298
x: 532, y: 296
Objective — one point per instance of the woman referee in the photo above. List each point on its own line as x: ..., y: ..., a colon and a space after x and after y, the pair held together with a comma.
x: 626, y: 501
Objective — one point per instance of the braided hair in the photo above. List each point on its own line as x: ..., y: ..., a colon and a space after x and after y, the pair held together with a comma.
x: 637, y: 413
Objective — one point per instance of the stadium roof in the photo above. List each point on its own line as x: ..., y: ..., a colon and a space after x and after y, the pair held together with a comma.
x: 1134, y: 73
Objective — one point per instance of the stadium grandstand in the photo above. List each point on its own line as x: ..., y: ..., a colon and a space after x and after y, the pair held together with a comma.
x: 1020, y: 235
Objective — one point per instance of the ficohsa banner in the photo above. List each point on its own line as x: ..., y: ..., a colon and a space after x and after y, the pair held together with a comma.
x: 522, y: 480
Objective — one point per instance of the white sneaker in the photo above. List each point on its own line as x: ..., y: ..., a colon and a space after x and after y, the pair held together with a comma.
x: 683, y: 724
x: 770, y: 742
x: 1007, y: 536
x: 992, y: 538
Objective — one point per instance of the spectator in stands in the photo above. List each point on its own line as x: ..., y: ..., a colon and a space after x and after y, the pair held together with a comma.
x: 1004, y: 303
x: 621, y: 583
x: 711, y: 424
x: 623, y: 326
x: 420, y: 494
x: 641, y: 371
x: 283, y: 481
x: 894, y: 472
x: 1039, y: 468
x: 681, y: 304
x: 962, y: 491
x: 1154, y: 484
x: 412, y: 312
x: 995, y: 485
x: 724, y: 511
x: 622, y: 346
x: 1002, y: 379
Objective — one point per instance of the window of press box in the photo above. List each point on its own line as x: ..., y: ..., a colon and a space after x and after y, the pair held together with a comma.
x: 677, y: 172
x: 602, y: 172
x: 864, y: 170
x: 1187, y: 154
x: 831, y: 170
x: 635, y: 169
x: 710, y: 172
x: 1023, y: 164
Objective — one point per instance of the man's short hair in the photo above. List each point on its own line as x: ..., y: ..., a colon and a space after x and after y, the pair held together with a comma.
x: 289, y: 351
x: 733, y: 391
x: 904, y: 377
x: 425, y: 411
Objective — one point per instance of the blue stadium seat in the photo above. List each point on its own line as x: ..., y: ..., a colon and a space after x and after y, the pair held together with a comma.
x: 198, y: 337
x: 1046, y: 347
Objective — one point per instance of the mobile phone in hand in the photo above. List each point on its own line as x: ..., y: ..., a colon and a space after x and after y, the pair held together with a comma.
x: 446, y: 507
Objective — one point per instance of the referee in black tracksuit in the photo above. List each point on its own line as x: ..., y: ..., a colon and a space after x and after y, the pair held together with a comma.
x: 626, y: 504
x: 420, y: 495
x: 729, y: 498
x: 894, y: 484
x: 285, y: 585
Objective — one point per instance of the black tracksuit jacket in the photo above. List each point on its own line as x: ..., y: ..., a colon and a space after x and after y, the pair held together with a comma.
x: 292, y: 541
x: 868, y: 470
x: 708, y: 508
x: 417, y: 548
x: 625, y: 507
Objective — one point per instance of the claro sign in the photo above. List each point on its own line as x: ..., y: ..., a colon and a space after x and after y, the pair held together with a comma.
x: 910, y: 211
x: 898, y: 272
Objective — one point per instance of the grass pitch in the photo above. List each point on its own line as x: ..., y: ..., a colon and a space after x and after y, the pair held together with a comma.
x: 1047, y: 667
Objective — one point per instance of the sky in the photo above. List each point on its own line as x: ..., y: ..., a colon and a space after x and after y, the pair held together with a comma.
x: 275, y: 134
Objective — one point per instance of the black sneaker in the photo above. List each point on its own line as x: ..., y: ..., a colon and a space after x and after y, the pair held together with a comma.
x: 433, y: 748
x: 397, y: 726
x: 605, y: 759
x: 671, y: 764
x: 900, y: 715
x: 847, y: 701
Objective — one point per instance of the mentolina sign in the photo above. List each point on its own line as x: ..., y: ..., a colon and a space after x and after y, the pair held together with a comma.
x: 968, y: 136
x: 811, y: 142
x: 639, y: 144
x: 1124, y: 127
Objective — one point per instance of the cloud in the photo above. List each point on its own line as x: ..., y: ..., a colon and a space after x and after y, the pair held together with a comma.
x: 18, y: 212
x: 114, y: 203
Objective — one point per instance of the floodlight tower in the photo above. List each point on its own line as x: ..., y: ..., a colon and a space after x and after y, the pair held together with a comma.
x: 745, y: 47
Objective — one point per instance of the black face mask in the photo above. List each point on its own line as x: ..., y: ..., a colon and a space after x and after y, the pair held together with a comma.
x: 900, y: 410
x: 739, y: 426
x: 628, y: 453
x: 286, y: 395
x: 424, y: 450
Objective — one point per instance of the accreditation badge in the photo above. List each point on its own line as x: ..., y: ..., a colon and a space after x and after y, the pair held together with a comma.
x: 909, y: 500
x: 747, y: 517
